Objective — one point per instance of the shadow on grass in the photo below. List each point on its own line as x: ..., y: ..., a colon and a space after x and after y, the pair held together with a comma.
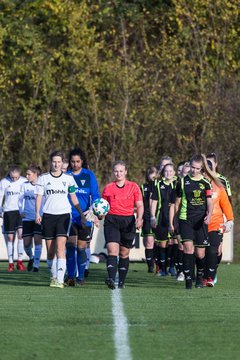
x: 95, y: 280
x: 24, y: 278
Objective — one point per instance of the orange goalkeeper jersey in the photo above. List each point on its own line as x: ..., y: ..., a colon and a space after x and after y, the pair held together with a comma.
x: 221, y: 206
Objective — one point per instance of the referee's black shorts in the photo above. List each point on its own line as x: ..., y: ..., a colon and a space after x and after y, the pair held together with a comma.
x: 120, y: 229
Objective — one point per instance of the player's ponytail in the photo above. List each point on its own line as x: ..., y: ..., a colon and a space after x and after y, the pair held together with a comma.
x: 210, y: 174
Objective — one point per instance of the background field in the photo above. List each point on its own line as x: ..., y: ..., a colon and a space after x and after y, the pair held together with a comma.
x: 165, y: 320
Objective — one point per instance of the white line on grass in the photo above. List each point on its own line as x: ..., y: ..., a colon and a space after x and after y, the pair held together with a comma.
x: 123, y: 351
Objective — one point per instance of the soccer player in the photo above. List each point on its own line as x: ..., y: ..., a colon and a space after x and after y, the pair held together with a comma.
x: 195, y: 206
x: 55, y: 186
x: 80, y: 235
x: 120, y: 223
x: 10, y: 190
x: 31, y: 230
x: 179, y: 168
x: 147, y: 233
x: 213, y: 158
x: 160, y: 214
x: 216, y: 228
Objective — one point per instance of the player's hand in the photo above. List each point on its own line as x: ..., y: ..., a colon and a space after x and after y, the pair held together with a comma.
x: 171, y: 229
x: 139, y: 223
x: 207, y: 219
x: 89, y: 215
x: 153, y: 222
x: 227, y: 226
x: 38, y: 219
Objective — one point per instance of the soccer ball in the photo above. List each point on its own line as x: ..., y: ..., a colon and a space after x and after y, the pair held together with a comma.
x: 100, y: 207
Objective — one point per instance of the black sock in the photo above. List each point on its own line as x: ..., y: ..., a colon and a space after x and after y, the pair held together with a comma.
x: 162, y: 263
x: 156, y: 253
x: 211, y: 261
x: 123, y: 269
x: 188, y: 265
x: 200, y: 266
x: 174, y: 256
x: 149, y: 258
x: 112, y: 266
x: 180, y: 261
x: 169, y: 251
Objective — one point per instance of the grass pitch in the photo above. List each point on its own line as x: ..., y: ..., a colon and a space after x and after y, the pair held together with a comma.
x: 165, y: 320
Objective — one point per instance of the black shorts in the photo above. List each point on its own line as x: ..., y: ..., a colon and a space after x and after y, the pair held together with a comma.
x: 215, y: 238
x: 194, y: 230
x: 161, y: 233
x: 82, y: 233
x: 30, y: 228
x: 12, y: 221
x: 120, y: 229
x: 146, y: 228
x: 55, y: 225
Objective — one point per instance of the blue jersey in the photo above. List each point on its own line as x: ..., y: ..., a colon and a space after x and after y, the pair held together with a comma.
x: 87, y: 191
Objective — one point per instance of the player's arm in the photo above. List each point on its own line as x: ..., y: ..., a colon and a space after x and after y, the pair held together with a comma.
x: 208, y: 216
x: 171, y: 218
x: 140, y: 211
x: 1, y: 196
x: 226, y: 207
x: 94, y: 190
x: 153, y: 209
x: 38, y: 218
x: 75, y: 202
x: 21, y: 202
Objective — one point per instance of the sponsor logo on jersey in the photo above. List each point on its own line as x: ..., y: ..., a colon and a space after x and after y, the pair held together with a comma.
x: 52, y: 191
x: 28, y: 197
x: 81, y: 191
x: 11, y: 193
x: 196, y: 193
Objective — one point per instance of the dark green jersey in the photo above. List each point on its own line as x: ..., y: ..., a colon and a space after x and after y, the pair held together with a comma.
x: 162, y: 192
x: 146, y: 190
x: 194, y: 194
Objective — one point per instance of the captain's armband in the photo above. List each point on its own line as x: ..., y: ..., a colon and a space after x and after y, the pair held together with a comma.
x: 71, y: 189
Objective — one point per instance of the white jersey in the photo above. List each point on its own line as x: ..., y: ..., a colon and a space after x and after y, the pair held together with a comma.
x: 56, y: 190
x: 27, y: 201
x: 10, y: 191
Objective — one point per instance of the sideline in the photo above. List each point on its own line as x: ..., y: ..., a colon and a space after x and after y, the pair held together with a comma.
x: 123, y: 351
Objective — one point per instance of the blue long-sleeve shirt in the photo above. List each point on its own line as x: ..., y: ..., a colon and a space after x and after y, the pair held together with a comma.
x: 87, y: 191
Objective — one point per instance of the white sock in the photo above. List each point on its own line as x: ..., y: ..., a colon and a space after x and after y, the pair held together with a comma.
x: 61, y: 268
x: 28, y: 251
x: 37, y: 255
x: 54, y: 267
x: 88, y: 253
x: 10, y: 251
x: 20, y: 249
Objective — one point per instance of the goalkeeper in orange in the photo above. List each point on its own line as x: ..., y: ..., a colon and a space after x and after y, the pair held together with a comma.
x: 221, y: 222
